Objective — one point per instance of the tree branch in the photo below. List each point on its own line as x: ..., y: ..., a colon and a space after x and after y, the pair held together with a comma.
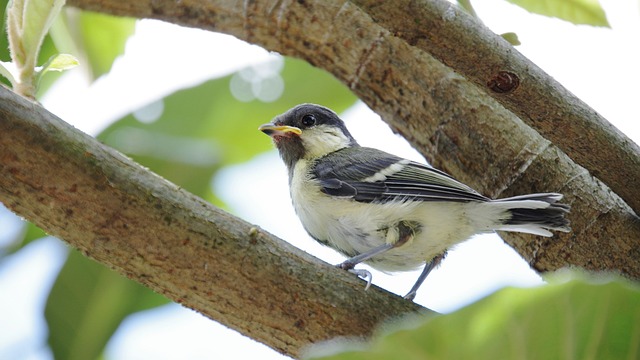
x: 150, y: 230
x: 450, y: 120
x: 484, y: 58
x: 117, y: 213
x: 436, y: 27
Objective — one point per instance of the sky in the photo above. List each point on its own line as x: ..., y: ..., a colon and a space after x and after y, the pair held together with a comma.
x: 599, y: 65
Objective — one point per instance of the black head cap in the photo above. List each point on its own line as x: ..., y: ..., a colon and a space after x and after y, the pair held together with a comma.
x: 289, y: 131
x: 305, y: 116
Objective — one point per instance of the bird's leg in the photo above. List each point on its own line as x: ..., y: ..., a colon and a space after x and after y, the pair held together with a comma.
x: 349, y: 264
x: 405, y: 232
x: 352, y: 262
x: 423, y: 275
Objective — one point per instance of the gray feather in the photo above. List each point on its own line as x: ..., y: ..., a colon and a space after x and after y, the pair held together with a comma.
x: 351, y: 172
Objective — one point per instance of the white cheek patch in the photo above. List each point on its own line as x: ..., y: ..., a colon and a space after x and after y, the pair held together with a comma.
x: 322, y: 140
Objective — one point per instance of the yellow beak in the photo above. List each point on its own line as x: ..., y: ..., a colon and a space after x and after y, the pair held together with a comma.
x: 275, y: 130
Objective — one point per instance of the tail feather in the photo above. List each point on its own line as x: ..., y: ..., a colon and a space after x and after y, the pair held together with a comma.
x: 535, y: 213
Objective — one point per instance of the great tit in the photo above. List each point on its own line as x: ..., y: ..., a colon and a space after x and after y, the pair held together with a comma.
x: 391, y: 213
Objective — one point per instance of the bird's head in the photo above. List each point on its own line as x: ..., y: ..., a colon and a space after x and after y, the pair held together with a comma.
x: 308, y: 131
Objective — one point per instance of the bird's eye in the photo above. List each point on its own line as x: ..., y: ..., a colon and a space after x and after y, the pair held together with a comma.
x: 308, y: 120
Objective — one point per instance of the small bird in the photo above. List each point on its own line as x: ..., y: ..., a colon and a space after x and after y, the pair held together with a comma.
x: 391, y: 213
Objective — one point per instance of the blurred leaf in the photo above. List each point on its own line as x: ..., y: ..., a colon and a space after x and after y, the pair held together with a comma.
x: 203, y: 128
x: 47, y: 49
x: 33, y: 233
x: 6, y: 70
x: 4, y: 41
x: 28, y: 234
x: 95, y: 38
x: 87, y: 304
x: 466, y: 5
x: 512, y: 38
x: 587, y: 12
x: 198, y: 131
x: 57, y: 63
x: 104, y: 38
x: 27, y: 24
x: 574, y: 320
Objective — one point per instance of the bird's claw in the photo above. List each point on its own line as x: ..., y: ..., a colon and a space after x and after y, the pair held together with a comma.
x: 364, y: 274
x: 361, y: 273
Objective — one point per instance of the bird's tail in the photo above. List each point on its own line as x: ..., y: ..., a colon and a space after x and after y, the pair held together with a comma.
x: 534, y: 214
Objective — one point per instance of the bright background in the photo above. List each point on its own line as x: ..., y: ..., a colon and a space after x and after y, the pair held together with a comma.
x: 599, y: 65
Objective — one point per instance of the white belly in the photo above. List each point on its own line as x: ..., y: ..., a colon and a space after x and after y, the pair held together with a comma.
x: 353, y: 227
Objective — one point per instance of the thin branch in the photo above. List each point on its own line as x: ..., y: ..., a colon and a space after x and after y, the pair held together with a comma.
x: 150, y: 230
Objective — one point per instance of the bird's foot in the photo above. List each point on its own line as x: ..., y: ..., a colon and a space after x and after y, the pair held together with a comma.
x: 361, y: 273
x: 346, y: 265
x: 364, y: 274
x: 411, y: 295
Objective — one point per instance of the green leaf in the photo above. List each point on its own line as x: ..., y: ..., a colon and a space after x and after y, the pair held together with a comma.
x: 204, y: 128
x: 58, y: 63
x: 104, y: 38
x: 198, y: 130
x: 27, y: 25
x: 47, y: 50
x: 512, y: 38
x: 4, y: 40
x: 587, y: 12
x: 87, y: 304
x: 574, y: 320
x: 29, y: 234
x: 7, y: 73
x: 466, y: 5
x: 33, y: 233
x: 96, y: 38
x: 5, y: 56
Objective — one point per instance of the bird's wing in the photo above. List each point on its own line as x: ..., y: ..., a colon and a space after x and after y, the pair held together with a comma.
x: 369, y: 175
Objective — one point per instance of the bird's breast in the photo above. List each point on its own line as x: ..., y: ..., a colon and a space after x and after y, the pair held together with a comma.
x: 353, y: 227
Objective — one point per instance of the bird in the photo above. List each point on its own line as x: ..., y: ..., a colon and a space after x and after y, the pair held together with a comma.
x: 380, y: 209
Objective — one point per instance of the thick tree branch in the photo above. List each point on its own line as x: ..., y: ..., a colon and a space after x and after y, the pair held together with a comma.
x: 472, y: 50
x: 152, y: 231
x: 437, y: 27
x: 454, y: 123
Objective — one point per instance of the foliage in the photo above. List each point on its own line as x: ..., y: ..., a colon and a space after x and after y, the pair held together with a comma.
x: 27, y: 24
x: 578, y: 319
x: 87, y: 304
x: 198, y: 131
x: 97, y: 39
x: 580, y: 12
x: 204, y: 128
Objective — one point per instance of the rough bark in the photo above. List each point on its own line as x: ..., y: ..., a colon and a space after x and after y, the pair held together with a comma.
x: 150, y: 230
x: 449, y: 119
x: 500, y: 71
x: 261, y: 287
x: 315, y: 31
